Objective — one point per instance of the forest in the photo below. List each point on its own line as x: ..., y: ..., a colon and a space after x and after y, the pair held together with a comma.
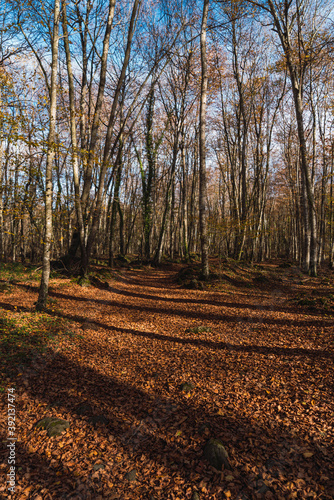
x: 167, y: 249
x: 165, y: 130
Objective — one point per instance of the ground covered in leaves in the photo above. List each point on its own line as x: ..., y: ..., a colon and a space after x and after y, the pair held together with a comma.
x: 146, y: 370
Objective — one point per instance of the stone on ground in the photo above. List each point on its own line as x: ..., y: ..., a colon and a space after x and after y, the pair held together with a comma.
x: 54, y: 426
x: 216, y: 454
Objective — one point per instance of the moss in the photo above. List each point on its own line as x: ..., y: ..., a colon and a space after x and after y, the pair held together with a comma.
x: 199, y: 329
x: 215, y: 453
x: 83, y: 281
x: 53, y: 425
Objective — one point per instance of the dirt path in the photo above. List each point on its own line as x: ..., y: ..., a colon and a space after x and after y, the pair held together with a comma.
x: 263, y: 383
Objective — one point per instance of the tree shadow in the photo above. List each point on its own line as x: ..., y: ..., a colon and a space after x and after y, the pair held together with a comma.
x: 193, y: 300
x: 197, y: 342
x: 47, y: 477
x: 149, y: 429
x: 200, y: 315
x: 103, y: 286
x: 144, y: 424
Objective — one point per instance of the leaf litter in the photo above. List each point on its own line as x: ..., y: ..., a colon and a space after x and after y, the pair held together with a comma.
x: 259, y: 367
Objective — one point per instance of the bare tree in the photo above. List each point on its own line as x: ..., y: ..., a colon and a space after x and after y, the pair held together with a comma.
x: 297, y: 24
x: 44, y: 285
x: 202, y: 146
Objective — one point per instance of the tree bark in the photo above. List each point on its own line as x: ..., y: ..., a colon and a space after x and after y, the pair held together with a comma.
x: 75, y: 163
x: 44, y: 285
x: 283, y: 29
x: 202, y: 146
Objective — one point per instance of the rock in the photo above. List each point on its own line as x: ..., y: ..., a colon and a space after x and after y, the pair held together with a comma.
x: 83, y: 409
x: 187, y: 387
x: 97, y: 467
x: 99, y: 419
x: 53, y: 425
x: 216, y: 454
x: 199, y: 329
x: 132, y: 475
x: 83, y: 281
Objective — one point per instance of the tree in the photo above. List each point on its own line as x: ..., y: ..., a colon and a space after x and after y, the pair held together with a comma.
x: 202, y: 146
x: 297, y: 25
x: 44, y: 285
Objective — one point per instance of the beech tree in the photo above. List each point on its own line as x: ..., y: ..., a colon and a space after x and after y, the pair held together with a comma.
x: 298, y: 25
x: 202, y: 145
x: 44, y: 285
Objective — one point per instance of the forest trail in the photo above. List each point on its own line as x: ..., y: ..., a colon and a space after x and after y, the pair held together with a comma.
x: 259, y: 371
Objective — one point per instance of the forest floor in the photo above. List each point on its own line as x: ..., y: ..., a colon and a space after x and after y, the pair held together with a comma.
x: 112, y: 360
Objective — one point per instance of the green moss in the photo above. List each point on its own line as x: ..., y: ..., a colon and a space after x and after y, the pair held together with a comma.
x: 198, y: 329
x: 53, y: 425
x: 84, y: 281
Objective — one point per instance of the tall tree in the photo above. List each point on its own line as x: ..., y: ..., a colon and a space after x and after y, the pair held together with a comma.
x: 297, y: 23
x: 44, y: 285
x: 202, y: 146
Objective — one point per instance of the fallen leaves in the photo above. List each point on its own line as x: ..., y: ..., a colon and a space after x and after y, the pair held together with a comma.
x: 252, y: 369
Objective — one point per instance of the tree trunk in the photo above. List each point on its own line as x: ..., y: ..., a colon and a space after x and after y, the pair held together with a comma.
x: 202, y: 147
x: 296, y: 77
x: 44, y: 285
x: 75, y: 163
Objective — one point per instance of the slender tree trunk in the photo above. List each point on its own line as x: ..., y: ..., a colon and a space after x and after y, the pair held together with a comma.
x: 331, y: 212
x: 243, y: 128
x: 114, y: 209
x: 44, y: 285
x: 158, y: 253
x: 202, y: 146
x: 75, y: 163
x: 306, y: 236
x: 172, y: 219
x: 110, y: 129
x: 311, y: 229
x: 98, y: 106
x: 296, y: 77
x: 1, y: 202
x: 185, y: 236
